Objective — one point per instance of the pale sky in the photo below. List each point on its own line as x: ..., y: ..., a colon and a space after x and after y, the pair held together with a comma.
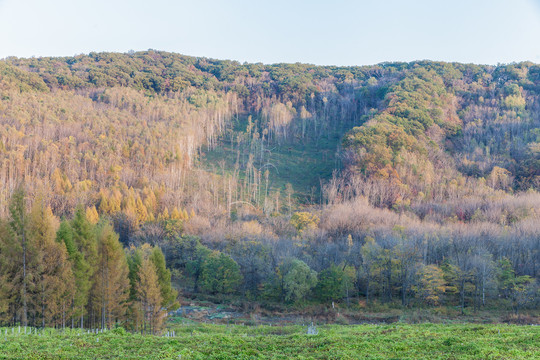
x: 334, y: 32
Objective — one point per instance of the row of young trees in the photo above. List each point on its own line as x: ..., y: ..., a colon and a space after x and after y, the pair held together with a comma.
x: 74, y: 273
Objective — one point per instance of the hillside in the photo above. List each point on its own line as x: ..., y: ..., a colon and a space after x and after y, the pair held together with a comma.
x: 415, y: 183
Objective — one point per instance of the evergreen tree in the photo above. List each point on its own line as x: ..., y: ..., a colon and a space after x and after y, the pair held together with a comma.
x: 84, y: 260
x: 110, y: 290
x: 6, y: 285
x: 51, y: 269
x: 149, y: 298
x: 21, y: 253
x: 168, y: 294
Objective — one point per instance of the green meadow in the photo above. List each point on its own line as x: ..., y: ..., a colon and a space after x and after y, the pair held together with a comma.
x: 205, y: 341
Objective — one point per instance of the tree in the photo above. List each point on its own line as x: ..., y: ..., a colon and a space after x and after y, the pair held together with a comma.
x: 484, y: 274
x: 92, y: 215
x: 462, y: 268
x: 406, y: 253
x: 289, y: 190
x: 82, y: 249
x: 333, y: 283
x: 168, y: 294
x: 499, y: 178
x: 297, y: 279
x: 521, y: 290
x: 84, y: 236
x: 110, y: 290
x: 254, y: 261
x: 370, y: 253
x: 187, y: 255
x: 135, y: 314
x: 220, y: 274
x: 6, y: 285
x: 79, y: 269
x: 431, y: 285
x: 21, y: 276
x: 141, y: 211
x: 149, y: 298
x: 304, y: 221
x: 53, y: 277
x: 524, y: 292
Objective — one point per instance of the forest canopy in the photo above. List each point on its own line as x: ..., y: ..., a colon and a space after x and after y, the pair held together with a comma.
x: 286, y: 182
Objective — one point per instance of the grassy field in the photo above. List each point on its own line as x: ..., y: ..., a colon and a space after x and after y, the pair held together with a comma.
x: 201, y: 341
x: 303, y: 165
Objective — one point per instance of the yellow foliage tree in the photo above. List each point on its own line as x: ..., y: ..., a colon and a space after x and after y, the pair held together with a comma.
x: 149, y: 294
x: 175, y: 214
x: 304, y: 220
x: 92, y: 215
x: 111, y: 283
x: 164, y: 215
x: 431, y: 285
x: 142, y: 212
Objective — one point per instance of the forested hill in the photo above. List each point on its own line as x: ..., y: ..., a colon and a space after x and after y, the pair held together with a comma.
x: 320, y: 159
x: 426, y: 131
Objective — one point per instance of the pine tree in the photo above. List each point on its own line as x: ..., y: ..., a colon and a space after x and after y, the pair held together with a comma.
x: 111, y: 281
x: 20, y: 255
x: 431, y: 285
x: 60, y: 286
x: 164, y: 215
x: 41, y: 234
x: 79, y: 269
x: 6, y: 286
x: 83, y: 259
x: 92, y: 215
x: 168, y: 294
x: 134, y: 263
x: 142, y: 213
x: 149, y: 295
x: 175, y: 214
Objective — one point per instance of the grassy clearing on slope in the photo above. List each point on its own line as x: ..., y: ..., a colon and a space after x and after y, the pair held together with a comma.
x: 199, y: 341
x: 303, y: 165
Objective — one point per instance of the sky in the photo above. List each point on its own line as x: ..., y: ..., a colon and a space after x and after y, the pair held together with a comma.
x: 332, y: 32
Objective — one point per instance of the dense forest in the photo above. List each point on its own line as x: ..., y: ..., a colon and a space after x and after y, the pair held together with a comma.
x: 402, y: 183
x: 63, y: 274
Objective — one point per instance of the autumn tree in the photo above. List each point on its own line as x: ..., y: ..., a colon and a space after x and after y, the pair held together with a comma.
x: 431, y: 285
x: 84, y: 258
x: 6, y: 285
x: 21, y: 255
x: 304, y: 221
x: 168, y: 294
x: 110, y: 290
x: 53, y: 277
x: 370, y: 253
x: 149, y: 298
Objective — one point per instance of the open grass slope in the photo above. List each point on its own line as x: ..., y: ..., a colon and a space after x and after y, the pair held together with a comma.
x: 200, y: 341
x: 304, y: 165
